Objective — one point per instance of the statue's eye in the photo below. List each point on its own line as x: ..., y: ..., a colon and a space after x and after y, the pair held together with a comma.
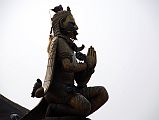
x: 71, y: 24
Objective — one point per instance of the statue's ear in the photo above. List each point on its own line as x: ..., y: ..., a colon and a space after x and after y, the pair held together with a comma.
x: 68, y: 9
x: 61, y: 22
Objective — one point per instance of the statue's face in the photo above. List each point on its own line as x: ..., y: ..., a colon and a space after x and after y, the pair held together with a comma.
x: 70, y: 27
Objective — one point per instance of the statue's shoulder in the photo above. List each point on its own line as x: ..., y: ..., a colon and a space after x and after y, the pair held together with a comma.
x: 62, y: 41
x: 57, y: 40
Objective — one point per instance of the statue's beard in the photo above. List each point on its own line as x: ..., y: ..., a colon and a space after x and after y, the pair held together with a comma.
x: 70, y: 33
x: 73, y: 35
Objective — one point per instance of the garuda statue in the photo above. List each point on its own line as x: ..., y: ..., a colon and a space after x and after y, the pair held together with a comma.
x: 67, y: 65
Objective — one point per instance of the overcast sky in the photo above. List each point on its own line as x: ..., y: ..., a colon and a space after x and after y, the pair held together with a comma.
x: 125, y: 34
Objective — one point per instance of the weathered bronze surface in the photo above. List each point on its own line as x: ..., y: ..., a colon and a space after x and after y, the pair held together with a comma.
x: 61, y: 99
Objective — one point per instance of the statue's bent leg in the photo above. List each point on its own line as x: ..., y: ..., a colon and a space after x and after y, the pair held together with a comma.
x: 81, y: 104
x: 78, y: 105
x: 96, y: 95
x: 59, y: 110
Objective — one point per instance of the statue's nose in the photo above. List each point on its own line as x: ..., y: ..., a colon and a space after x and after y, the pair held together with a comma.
x: 76, y: 27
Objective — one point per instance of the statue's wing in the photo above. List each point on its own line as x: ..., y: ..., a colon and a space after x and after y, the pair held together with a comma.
x: 50, y: 66
x: 39, y: 111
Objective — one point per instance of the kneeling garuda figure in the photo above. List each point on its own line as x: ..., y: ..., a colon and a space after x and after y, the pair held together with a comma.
x: 60, y: 96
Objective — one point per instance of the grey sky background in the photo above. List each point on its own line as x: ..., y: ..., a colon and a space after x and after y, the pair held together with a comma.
x: 125, y: 34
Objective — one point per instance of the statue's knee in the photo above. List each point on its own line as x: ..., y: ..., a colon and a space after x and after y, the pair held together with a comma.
x: 104, y: 94
x: 85, y: 108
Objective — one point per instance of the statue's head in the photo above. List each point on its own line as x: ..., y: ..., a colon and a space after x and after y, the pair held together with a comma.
x: 63, y: 23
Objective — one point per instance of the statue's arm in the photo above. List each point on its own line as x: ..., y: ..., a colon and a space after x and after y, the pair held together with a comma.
x: 83, y: 77
x: 73, y: 67
x: 69, y: 63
